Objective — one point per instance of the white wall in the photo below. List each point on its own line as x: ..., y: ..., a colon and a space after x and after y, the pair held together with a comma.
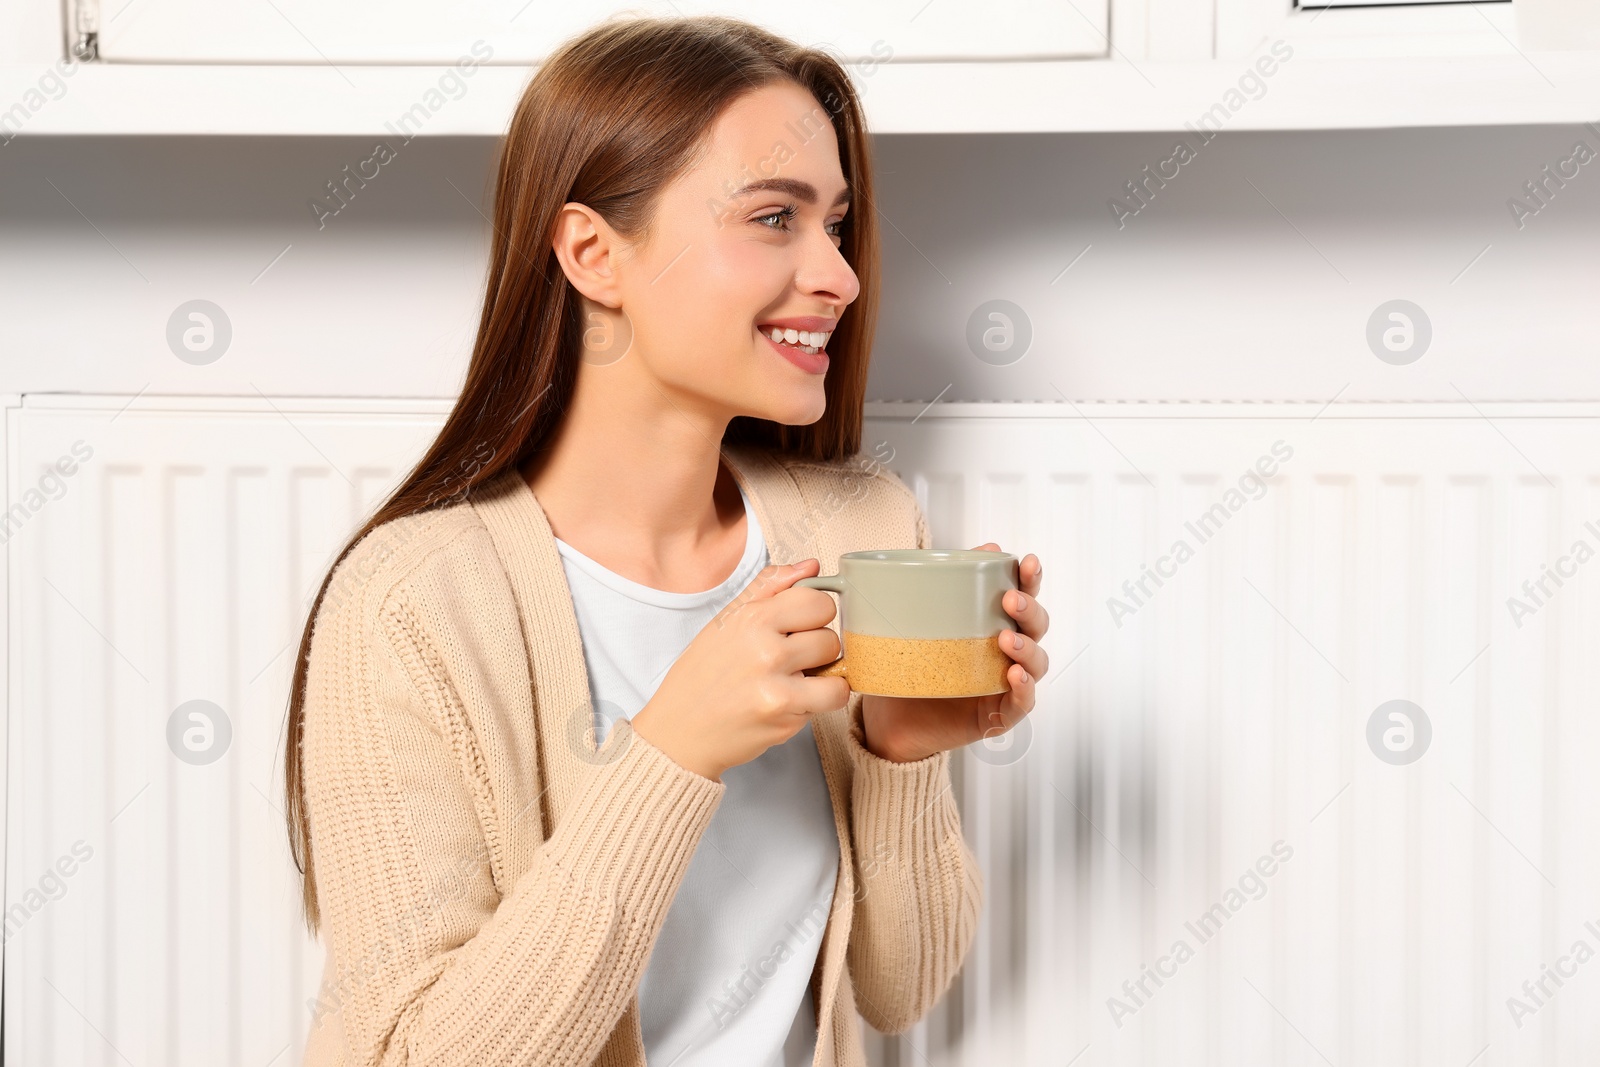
x: 1207, y: 293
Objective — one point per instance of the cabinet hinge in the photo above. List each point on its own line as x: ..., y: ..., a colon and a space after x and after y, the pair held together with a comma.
x: 85, y: 40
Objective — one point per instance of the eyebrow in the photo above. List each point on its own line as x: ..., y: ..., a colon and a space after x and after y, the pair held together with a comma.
x: 800, y: 190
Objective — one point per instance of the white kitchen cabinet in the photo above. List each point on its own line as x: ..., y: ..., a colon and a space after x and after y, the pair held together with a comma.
x: 356, y: 68
x: 525, y: 31
x: 1418, y: 30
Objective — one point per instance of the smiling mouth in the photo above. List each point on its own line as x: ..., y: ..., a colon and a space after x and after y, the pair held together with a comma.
x: 807, y: 341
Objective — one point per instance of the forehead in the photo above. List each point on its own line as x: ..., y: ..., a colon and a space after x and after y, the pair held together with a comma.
x: 778, y: 129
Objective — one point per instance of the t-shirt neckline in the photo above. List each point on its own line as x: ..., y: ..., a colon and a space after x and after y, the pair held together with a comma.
x: 666, y: 598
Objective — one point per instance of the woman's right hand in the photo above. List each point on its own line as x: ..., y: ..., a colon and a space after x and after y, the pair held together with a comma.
x: 737, y: 689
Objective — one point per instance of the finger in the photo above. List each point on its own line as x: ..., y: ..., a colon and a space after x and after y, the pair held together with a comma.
x: 810, y: 648
x: 987, y: 546
x: 802, y: 608
x: 776, y: 577
x: 1032, y: 572
x: 1023, y: 691
x: 770, y: 581
x: 1013, y: 704
x: 815, y: 695
x: 1028, y: 612
x: 1031, y: 655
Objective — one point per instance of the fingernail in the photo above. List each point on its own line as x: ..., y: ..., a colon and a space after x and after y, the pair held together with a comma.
x: 1016, y: 641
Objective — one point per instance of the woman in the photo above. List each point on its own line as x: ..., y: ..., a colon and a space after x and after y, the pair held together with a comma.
x: 568, y: 651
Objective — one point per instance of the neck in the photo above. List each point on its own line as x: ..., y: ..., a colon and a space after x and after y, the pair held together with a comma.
x: 634, y: 477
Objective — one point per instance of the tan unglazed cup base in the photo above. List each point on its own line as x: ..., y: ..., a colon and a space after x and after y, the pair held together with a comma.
x: 923, y: 667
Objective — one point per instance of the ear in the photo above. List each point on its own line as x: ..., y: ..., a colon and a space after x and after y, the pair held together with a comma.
x: 587, y: 247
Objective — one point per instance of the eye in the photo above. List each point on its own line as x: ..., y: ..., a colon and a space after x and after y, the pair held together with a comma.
x: 785, y: 215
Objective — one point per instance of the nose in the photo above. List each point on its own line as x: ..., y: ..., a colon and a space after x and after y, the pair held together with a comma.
x: 825, y: 274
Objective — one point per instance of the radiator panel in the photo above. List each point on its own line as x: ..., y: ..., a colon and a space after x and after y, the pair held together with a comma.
x: 1222, y: 707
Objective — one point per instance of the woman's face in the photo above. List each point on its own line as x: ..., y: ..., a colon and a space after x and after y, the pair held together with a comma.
x: 726, y: 264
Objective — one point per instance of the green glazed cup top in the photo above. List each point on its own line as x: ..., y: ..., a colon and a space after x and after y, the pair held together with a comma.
x: 922, y: 593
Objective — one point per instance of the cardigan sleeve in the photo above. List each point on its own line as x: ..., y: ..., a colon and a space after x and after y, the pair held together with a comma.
x: 919, y: 890
x: 435, y: 965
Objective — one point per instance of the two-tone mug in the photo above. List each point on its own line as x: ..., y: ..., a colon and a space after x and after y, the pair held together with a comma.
x: 921, y: 622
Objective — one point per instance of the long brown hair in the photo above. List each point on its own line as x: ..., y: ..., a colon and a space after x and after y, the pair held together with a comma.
x: 612, y: 117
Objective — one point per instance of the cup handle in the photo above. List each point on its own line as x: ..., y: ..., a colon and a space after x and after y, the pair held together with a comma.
x: 831, y: 583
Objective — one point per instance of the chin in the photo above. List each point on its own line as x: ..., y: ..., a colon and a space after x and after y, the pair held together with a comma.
x: 788, y: 405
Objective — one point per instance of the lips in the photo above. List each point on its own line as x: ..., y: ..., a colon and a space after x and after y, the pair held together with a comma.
x: 801, y: 339
x: 812, y: 360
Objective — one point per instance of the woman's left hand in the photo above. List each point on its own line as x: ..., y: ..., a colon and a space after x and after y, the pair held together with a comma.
x: 903, y: 729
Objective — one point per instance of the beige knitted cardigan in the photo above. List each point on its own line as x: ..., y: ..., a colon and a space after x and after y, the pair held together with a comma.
x: 490, y: 884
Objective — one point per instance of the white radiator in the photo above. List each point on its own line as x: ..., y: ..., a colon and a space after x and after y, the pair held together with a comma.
x: 175, y: 565
x: 1204, y: 728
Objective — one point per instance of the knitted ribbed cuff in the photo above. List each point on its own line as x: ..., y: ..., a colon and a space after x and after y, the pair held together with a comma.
x: 892, y: 799
x: 635, y: 822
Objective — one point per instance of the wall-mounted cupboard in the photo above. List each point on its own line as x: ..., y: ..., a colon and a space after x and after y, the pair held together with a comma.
x: 523, y: 32
x: 288, y: 67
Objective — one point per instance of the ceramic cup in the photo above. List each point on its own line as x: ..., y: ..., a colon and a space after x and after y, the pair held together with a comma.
x: 921, y: 622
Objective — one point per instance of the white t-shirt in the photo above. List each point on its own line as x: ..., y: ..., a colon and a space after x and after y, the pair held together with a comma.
x: 728, y: 982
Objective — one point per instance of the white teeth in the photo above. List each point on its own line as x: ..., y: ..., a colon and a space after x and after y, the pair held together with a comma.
x: 807, y: 341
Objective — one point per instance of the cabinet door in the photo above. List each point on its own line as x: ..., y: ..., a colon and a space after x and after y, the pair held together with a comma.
x: 524, y: 31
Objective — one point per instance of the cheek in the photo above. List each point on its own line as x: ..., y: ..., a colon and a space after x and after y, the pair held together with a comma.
x: 745, y: 271
x: 723, y: 289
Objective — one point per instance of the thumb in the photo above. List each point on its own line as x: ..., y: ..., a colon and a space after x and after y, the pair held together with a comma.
x: 771, y: 580
x: 776, y: 577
